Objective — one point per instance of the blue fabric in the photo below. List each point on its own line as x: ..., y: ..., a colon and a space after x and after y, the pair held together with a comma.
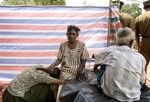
x: 100, y: 75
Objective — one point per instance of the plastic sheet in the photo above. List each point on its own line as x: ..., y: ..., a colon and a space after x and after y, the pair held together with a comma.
x: 87, y: 91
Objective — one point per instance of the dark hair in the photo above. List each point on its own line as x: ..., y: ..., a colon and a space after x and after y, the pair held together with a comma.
x: 73, y: 27
x: 55, y: 73
x: 146, y: 4
x: 121, y: 4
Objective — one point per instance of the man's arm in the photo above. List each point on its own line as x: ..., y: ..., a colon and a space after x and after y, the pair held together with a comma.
x: 95, y: 68
x: 131, y: 24
x: 95, y: 65
x: 137, y: 36
x: 143, y: 73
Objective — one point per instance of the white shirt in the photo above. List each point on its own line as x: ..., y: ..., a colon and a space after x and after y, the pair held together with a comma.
x: 125, y: 69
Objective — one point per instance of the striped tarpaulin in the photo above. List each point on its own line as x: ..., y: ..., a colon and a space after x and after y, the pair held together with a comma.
x: 31, y: 35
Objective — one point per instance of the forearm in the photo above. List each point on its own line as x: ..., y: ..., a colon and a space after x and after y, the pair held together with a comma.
x: 60, y: 80
x: 142, y: 80
x: 95, y: 67
x: 137, y: 36
x: 80, y: 74
x: 143, y: 76
x: 138, y: 40
x: 57, y: 62
x: 82, y: 66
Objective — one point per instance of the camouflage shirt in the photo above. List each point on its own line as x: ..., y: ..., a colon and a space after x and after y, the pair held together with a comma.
x: 26, y: 79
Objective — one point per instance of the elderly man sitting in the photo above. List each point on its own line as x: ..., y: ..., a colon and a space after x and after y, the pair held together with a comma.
x: 123, y: 70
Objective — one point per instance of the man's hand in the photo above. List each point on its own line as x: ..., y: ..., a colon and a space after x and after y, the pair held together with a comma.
x: 95, y: 69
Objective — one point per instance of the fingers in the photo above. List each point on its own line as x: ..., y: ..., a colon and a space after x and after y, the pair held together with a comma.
x: 96, y: 71
x: 51, y: 67
x: 39, y: 69
x: 81, y: 77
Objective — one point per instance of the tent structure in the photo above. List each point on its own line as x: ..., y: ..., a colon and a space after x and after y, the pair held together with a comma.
x: 31, y: 35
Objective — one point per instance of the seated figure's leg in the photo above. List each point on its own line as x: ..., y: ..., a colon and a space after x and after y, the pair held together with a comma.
x: 7, y: 97
x: 58, y: 92
x: 100, y: 75
x: 39, y: 93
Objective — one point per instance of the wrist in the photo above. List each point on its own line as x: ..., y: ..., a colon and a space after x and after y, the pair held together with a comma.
x: 79, y: 70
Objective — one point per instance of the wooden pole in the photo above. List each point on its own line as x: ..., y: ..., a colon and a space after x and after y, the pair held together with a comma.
x: 109, y: 24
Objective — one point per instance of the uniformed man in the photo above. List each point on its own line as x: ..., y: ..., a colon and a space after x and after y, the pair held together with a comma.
x: 142, y: 32
x: 125, y: 19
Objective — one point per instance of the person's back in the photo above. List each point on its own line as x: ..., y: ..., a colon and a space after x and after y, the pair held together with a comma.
x: 33, y: 85
x: 142, y: 32
x: 124, y: 68
x: 123, y: 72
x: 26, y: 79
x: 126, y: 20
x: 143, y: 23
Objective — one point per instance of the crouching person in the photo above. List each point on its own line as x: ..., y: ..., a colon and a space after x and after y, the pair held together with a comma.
x: 123, y: 70
x: 33, y: 85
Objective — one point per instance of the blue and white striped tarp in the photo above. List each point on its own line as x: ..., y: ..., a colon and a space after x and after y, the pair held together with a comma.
x: 31, y: 35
